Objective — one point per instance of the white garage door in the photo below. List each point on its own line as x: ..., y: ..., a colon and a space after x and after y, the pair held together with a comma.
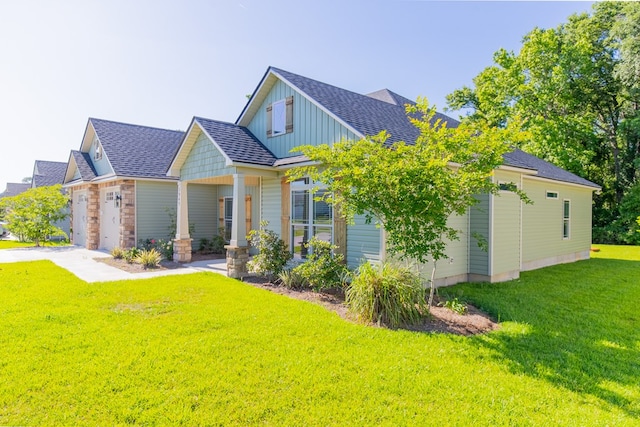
x: 80, y: 218
x: 109, y: 218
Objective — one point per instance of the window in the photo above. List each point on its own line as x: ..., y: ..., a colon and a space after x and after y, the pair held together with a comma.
x: 309, y: 217
x: 566, y: 219
x: 507, y: 186
x: 97, y: 148
x: 280, y: 117
x: 228, y: 215
x: 552, y: 195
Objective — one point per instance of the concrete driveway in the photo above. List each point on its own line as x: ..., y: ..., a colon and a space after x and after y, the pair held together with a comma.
x: 82, y: 263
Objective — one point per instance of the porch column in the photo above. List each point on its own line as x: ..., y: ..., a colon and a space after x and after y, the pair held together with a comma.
x: 238, y: 248
x: 182, y: 241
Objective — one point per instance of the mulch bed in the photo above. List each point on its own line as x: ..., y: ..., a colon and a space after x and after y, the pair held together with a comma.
x: 442, y: 320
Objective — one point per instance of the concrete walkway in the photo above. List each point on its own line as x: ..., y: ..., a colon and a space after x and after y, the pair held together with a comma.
x: 81, y: 262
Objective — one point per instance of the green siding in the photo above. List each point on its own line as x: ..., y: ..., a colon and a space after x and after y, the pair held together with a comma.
x: 505, y: 245
x: 204, y: 161
x: 153, y: 200
x: 311, y: 125
x: 479, y: 223
x: 542, y: 231
x: 363, y: 242
x: 203, y: 211
x: 272, y: 204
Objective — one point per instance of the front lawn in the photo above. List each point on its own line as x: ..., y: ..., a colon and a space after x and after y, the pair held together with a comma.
x: 202, y: 349
x: 12, y: 244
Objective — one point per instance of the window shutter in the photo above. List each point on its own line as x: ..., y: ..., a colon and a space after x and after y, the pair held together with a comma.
x: 289, y: 110
x: 221, y: 216
x: 340, y: 232
x: 285, y: 219
x: 269, y: 121
x: 247, y: 212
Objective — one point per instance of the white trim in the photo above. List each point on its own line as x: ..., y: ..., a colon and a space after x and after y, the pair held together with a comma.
x: 521, y: 223
x: 547, y: 192
x: 492, y: 242
x: 523, y: 171
x: 568, y: 220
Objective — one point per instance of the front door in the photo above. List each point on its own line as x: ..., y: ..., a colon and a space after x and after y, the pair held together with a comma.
x: 109, y: 218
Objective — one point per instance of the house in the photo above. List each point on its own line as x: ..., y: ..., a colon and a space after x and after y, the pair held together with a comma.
x: 120, y: 191
x: 243, y: 166
x: 47, y: 173
x: 15, y: 188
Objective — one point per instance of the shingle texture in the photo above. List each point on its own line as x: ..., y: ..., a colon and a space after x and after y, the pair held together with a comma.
x: 15, y: 188
x: 137, y: 151
x: 48, y: 173
x: 84, y: 164
x: 238, y: 143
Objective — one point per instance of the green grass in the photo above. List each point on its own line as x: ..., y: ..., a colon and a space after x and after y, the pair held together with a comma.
x: 12, y: 244
x: 205, y: 350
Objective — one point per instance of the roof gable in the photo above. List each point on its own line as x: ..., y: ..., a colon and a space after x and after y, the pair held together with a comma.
x: 15, y: 188
x: 133, y: 150
x: 46, y: 173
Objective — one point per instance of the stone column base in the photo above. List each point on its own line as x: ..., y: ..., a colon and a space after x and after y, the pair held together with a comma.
x: 182, y: 250
x: 237, y: 258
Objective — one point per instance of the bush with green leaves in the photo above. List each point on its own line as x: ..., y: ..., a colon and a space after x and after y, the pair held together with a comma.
x: 117, y: 252
x: 323, y: 269
x: 212, y: 246
x: 273, y: 253
x: 291, y: 279
x: 454, y: 305
x: 387, y: 294
x: 164, y: 246
x: 131, y: 254
x: 149, y: 258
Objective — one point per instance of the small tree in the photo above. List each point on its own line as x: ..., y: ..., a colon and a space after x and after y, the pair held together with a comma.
x: 32, y: 215
x: 411, y: 189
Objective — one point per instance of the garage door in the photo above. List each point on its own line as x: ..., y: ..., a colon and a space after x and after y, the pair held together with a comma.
x: 109, y: 218
x: 79, y: 218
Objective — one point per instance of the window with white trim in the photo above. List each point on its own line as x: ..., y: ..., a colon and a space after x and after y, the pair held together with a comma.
x: 310, y: 216
x: 280, y: 117
x: 566, y: 219
x: 97, y: 150
x: 552, y: 195
x: 228, y: 217
x: 507, y: 186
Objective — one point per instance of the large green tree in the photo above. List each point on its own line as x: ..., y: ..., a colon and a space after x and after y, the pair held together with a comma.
x: 411, y: 189
x: 32, y: 215
x: 574, y: 88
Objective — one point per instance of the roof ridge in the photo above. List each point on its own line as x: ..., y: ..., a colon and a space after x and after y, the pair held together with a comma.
x: 134, y: 125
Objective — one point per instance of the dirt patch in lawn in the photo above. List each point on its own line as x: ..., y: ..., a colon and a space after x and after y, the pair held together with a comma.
x: 442, y: 320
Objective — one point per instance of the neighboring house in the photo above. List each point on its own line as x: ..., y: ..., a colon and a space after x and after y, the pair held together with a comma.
x: 119, y: 189
x: 243, y: 166
x: 46, y: 173
x: 15, y: 188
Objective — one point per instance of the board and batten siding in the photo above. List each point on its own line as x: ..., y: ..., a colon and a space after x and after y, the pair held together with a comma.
x: 505, y: 233
x: 203, y: 212
x: 363, y: 242
x: 154, y: 202
x: 204, y: 160
x: 102, y: 166
x: 311, y: 125
x: 271, y: 204
x: 479, y: 223
x: 543, y: 223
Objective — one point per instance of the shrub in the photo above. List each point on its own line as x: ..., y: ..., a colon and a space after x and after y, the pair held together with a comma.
x: 387, y: 294
x: 323, y: 269
x: 149, y: 258
x: 213, y: 246
x: 291, y: 279
x: 164, y: 246
x: 117, y: 253
x: 454, y: 305
x: 130, y: 255
x: 272, y: 252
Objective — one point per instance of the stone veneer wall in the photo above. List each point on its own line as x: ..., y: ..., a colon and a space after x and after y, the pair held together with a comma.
x: 127, y: 214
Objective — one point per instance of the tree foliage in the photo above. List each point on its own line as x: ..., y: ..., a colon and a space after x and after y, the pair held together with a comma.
x: 32, y: 215
x: 575, y: 89
x: 411, y: 189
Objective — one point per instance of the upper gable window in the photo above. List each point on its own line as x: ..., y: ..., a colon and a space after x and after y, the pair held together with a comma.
x: 97, y: 155
x: 280, y: 117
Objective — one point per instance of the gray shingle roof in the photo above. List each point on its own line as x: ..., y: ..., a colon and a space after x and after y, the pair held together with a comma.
x: 15, y: 188
x: 519, y: 158
x: 238, y: 143
x: 368, y: 115
x: 84, y: 164
x: 48, y: 173
x: 137, y: 151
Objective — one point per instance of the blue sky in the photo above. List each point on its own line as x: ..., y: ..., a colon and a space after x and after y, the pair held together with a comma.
x: 159, y: 63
